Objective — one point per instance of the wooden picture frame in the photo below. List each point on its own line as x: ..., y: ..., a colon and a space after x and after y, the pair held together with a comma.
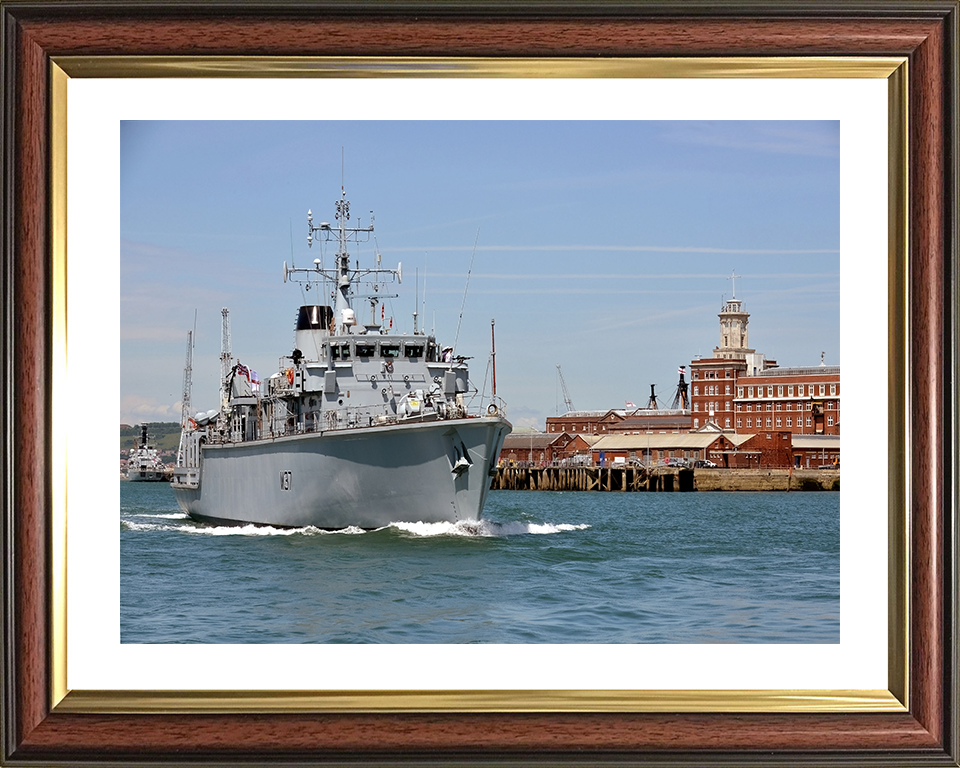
x: 39, y: 730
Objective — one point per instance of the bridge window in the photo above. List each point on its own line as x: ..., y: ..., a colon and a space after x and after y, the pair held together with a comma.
x: 390, y: 351
x: 366, y: 350
x: 413, y: 350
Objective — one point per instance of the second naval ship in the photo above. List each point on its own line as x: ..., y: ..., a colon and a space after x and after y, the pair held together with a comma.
x: 358, y: 427
x: 144, y: 464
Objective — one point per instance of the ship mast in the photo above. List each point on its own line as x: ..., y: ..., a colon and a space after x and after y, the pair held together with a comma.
x: 225, y: 356
x: 343, y: 276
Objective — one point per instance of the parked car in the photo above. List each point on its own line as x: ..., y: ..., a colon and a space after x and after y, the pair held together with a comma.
x: 704, y: 463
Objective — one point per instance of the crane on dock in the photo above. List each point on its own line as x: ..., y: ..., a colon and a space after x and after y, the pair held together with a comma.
x: 187, y: 393
x: 566, y: 395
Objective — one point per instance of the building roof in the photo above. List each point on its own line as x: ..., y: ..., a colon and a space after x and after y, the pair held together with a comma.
x: 689, y: 441
x: 719, y: 361
x: 816, y: 442
x: 588, y: 414
x: 815, y: 370
x: 641, y: 422
x: 528, y: 440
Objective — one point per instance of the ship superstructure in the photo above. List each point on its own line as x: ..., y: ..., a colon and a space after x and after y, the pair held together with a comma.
x: 358, y: 427
x: 144, y: 464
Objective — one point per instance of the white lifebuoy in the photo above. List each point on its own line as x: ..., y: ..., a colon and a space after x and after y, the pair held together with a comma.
x: 389, y: 367
x: 491, y: 410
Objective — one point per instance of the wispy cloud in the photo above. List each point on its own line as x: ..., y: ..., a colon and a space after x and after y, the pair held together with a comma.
x: 815, y: 139
x: 625, y: 249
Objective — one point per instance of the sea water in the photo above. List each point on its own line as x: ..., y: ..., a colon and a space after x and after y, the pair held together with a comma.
x: 540, y: 567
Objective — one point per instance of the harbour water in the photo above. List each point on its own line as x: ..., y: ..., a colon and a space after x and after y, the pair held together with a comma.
x: 541, y: 567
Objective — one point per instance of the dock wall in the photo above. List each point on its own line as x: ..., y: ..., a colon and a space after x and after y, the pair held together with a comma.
x: 662, y: 479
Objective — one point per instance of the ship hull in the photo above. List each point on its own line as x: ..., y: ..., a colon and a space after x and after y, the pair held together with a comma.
x: 408, y: 472
x: 146, y: 476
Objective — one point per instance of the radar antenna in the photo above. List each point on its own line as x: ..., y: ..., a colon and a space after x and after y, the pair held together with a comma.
x: 342, y: 276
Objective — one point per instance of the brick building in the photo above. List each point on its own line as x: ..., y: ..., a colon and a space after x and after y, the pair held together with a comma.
x: 650, y: 420
x: 803, y: 401
x: 585, y: 422
x: 650, y: 449
x: 542, y: 449
x: 815, y: 451
x: 713, y: 379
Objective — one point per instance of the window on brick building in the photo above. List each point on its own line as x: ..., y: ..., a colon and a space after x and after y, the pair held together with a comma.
x: 790, y: 390
x: 789, y: 406
x: 739, y: 391
x: 696, y: 390
x: 727, y: 423
x: 829, y: 421
x: 727, y: 390
x: 779, y: 390
x: 728, y: 405
x: 769, y: 422
x: 833, y: 389
x: 779, y: 406
x: 749, y: 423
x: 789, y: 421
x: 739, y: 423
x: 750, y: 391
x: 779, y: 422
x: 770, y: 390
x: 822, y: 388
x: 696, y: 423
x: 800, y: 390
x: 809, y: 422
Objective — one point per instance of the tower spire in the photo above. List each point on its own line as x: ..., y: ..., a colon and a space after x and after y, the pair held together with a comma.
x: 733, y: 279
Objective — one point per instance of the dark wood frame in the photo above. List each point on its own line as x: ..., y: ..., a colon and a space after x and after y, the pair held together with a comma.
x: 925, y: 32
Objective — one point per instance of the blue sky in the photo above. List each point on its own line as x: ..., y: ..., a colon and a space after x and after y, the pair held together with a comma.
x: 604, y: 247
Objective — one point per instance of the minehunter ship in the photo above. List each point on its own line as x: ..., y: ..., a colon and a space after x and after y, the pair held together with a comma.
x: 144, y: 464
x: 358, y: 427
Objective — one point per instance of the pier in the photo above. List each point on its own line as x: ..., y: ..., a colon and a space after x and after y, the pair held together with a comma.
x: 662, y: 479
x: 610, y: 479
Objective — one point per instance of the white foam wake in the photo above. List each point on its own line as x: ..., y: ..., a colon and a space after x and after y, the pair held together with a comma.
x: 486, y: 528
x: 163, y: 516
x: 475, y: 528
x: 237, y: 530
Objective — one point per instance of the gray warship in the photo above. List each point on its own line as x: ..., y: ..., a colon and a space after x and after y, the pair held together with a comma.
x: 358, y: 427
x: 144, y: 464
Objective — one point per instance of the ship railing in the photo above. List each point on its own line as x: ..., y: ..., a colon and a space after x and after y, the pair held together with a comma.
x: 358, y: 417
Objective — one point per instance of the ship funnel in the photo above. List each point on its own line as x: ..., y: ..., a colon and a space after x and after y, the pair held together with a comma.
x: 313, y: 325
